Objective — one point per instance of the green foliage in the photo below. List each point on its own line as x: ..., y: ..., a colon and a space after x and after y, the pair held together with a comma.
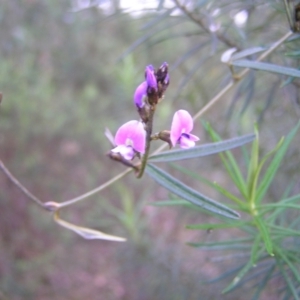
x: 262, y: 231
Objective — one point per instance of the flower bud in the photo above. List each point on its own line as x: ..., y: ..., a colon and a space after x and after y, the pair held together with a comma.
x: 163, y: 79
x: 150, y: 77
x: 164, y: 135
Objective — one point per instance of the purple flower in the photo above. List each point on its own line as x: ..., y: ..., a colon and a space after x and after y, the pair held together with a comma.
x: 182, y: 125
x: 139, y: 94
x: 130, y: 138
x: 148, y: 86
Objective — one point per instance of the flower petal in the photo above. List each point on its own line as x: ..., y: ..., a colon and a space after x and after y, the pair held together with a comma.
x: 182, y: 123
x: 193, y: 138
x: 139, y: 94
x: 125, y: 151
x: 185, y: 142
x: 150, y: 77
x: 132, y: 133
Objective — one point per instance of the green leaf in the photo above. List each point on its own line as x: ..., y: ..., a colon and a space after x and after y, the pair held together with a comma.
x: 255, y: 253
x: 216, y: 226
x: 274, y: 165
x: 262, y: 285
x: 289, y: 263
x: 261, y: 66
x: 289, y: 282
x: 87, y: 233
x: 235, y: 244
x: 265, y: 235
x: 247, y: 52
x: 202, y: 150
x: 213, y: 185
x: 230, y: 163
x: 252, y: 168
x: 180, y: 189
x: 173, y: 202
x: 239, y: 276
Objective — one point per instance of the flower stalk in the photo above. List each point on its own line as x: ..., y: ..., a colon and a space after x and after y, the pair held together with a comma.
x: 149, y: 126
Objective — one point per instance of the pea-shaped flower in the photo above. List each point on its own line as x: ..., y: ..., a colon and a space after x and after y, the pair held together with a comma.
x: 149, y: 85
x: 181, y: 127
x: 129, y: 139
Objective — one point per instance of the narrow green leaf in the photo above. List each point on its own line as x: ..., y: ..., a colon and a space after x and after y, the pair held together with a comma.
x: 252, y: 168
x: 253, y: 180
x: 182, y: 203
x: 255, y: 249
x: 265, y: 235
x: 202, y: 150
x: 230, y: 196
x: 87, y: 233
x: 239, y: 276
x: 247, y: 52
x: 172, y: 203
x: 178, y: 188
x: 213, y: 185
x: 261, y: 66
x: 289, y: 282
x: 235, y: 244
x: 208, y: 226
x: 192, y: 174
x: 226, y: 274
x: 230, y: 163
x: 255, y: 252
x: 262, y: 285
x: 285, y: 231
x: 289, y: 263
x: 274, y: 165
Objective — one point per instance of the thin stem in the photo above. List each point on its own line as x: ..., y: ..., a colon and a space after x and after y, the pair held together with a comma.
x: 149, y: 126
x: 96, y: 190
x: 19, y: 185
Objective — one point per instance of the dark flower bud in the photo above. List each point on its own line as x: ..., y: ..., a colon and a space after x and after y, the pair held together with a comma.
x: 163, y: 79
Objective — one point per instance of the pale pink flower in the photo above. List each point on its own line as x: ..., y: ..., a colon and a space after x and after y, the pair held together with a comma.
x: 181, y: 127
x: 129, y: 139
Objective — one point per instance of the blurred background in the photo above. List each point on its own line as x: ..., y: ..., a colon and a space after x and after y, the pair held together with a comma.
x: 69, y: 70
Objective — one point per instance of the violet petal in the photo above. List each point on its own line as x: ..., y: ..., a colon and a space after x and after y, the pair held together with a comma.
x: 150, y: 77
x: 139, y: 94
